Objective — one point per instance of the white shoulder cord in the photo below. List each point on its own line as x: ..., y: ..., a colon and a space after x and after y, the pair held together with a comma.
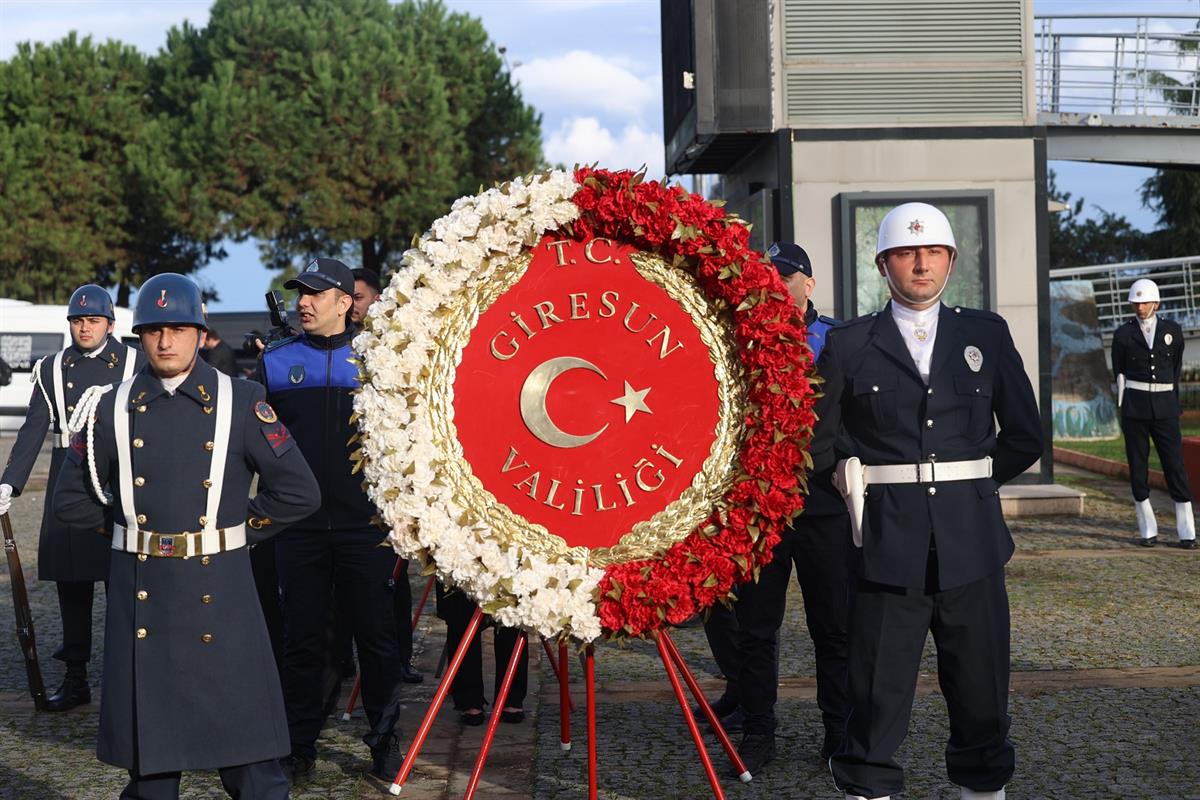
x: 36, y: 377
x: 85, y: 416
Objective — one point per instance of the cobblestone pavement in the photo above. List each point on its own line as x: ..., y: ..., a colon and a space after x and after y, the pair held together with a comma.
x: 1105, y: 702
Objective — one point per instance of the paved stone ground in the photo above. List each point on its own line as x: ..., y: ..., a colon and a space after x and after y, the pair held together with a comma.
x: 1105, y: 702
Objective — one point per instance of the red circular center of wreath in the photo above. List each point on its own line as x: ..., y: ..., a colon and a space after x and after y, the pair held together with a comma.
x: 586, y: 399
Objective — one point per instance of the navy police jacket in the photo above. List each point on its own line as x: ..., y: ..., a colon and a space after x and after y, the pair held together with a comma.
x: 1159, y: 364
x: 874, y: 395
x: 189, y: 678
x: 823, y: 499
x: 310, y: 381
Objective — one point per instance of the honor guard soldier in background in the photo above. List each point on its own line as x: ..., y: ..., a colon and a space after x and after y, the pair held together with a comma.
x: 916, y: 390
x: 818, y: 543
x: 168, y: 458
x: 1147, y: 357
x: 73, y: 560
x: 311, y: 379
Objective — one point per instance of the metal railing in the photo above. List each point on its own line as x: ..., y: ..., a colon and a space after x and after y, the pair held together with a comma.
x: 1113, y: 64
x: 1178, y: 282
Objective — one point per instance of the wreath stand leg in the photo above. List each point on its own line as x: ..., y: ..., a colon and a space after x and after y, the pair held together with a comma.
x: 668, y: 664
x: 435, y: 705
x: 711, y: 715
x: 554, y: 662
x: 497, y: 710
x: 565, y: 703
x: 589, y: 672
x: 416, y: 618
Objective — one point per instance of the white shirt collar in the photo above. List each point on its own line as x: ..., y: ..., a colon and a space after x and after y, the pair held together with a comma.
x: 914, y: 317
x: 98, y: 350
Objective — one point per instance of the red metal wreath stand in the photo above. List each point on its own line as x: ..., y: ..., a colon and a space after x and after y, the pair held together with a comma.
x: 667, y: 651
x: 416, y: 618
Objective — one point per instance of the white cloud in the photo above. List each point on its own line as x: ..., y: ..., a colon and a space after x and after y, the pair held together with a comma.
x: 586, y: 81
x: 141, y: 24
x: 583, y: 140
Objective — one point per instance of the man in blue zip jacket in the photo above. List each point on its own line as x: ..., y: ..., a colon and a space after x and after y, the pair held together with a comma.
x: 310, y: 381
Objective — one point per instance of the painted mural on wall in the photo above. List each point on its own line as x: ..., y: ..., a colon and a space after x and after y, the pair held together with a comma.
x: 1084, y: 404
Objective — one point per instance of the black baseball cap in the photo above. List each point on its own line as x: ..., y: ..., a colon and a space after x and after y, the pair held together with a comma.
x: 789, y: 258
x: 322, y: 274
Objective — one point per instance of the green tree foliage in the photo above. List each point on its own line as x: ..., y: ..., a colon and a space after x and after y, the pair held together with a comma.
x: 343, y: 126
x: 89, y: 189
x: 1076, y: 241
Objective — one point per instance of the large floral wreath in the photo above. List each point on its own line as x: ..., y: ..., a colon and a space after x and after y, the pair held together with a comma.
x: 560, y: 596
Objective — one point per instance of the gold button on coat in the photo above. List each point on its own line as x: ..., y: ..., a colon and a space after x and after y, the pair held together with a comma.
x: 141, y: 518
x: 206, y: 598
x: 72, y: 386
x: 206, y: 638
x: 206, y: 483
x: 209, y: 446
x: 204, y: 520
x: 141, y: 409
x: 204, y: 561
x: 142, y: 594
x: 142, y: 556
x: 139, y: 481
x: 138, y: 443
x: 141, y: 633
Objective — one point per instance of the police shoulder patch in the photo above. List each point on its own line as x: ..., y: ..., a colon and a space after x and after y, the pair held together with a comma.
x: 263, y: 410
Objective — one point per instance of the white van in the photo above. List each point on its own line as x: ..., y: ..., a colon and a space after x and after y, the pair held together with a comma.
x: 29, y: 332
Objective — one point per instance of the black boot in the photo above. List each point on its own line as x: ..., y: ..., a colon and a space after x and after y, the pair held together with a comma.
x: 73, y: 692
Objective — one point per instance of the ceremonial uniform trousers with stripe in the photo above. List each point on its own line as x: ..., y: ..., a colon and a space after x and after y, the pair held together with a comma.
x: 73, y: 562
x: 933, y: 554
x: 1147, y: 415
x: 189, y: 678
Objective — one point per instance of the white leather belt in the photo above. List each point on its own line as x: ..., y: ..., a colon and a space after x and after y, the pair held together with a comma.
x: 928, y: 471
x: 179, y: 545
x: 1149, y: 387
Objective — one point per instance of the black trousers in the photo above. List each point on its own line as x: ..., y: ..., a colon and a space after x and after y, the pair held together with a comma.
x: 1168, y: 441
x: 310, y: 564
x: 721, y: 630
x: 820, y: 549
x: 266, y: 581
x: 970, y: 626
x: 262, y: 780
x: 402, y: 604
x: 75, y: 605
x: 467, y: 689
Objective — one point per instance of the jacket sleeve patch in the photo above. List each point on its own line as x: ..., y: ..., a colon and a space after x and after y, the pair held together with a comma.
x: 278, y: 437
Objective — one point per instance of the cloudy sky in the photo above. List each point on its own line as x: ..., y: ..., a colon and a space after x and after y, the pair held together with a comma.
x: 591, y: 67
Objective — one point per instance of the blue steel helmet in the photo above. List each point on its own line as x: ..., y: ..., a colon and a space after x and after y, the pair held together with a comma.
x: 169, y: 299
x: 91, y: 300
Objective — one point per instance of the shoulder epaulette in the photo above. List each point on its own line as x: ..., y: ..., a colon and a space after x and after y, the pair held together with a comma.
x: 830, y: 321
x: 280, y: 343
x: 978, y: 313
x: 864, y: 319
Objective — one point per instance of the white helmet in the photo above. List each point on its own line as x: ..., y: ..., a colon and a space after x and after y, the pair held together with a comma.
x: 1143, y: 290
x: 913, y: 225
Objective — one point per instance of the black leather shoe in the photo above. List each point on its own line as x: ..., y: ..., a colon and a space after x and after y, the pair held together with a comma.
x: 73, y: 692
x: 1153, y: 540
x: 733, y: 723
x: 296, y: 767
x: 472, y: 720
x: 409, y: 675
x: 387, y: 758
x: 723, y: 706
x: 1187, y: 544
x: 512, y: 717
x: 756, y: 750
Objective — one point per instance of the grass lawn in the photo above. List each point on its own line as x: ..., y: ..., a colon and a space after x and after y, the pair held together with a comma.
x: 1115, y: 448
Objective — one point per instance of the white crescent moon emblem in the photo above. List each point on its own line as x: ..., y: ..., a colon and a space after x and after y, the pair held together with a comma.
x: 533, y: 401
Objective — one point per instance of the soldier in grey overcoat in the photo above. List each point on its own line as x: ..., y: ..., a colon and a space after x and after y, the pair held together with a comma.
x: 74, y: 563
x: 189, y: 678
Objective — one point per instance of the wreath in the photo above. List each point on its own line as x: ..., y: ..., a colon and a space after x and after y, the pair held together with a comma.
x: 405, y: 465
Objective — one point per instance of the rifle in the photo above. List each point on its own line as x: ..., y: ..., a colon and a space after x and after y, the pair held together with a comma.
x: 33, y: 669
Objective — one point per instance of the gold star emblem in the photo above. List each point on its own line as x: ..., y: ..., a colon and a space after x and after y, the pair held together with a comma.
x: 633, y: 401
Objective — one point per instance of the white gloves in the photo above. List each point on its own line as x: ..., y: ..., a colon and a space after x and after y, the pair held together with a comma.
x: 5, y: 498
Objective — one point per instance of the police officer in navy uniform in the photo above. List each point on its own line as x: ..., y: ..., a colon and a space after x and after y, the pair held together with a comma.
x: 73, y: 562
x: 1147, y: 357
x: 818, y: 543
x: 915, y: 391
x: 311, y: 379
x: 168, y: 458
